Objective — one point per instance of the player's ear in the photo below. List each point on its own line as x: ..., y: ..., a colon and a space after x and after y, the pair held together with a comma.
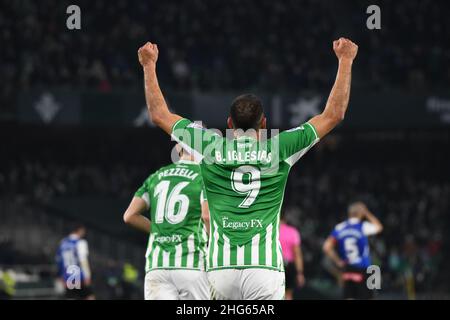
x: 230, y: 123
x: 263, y: 122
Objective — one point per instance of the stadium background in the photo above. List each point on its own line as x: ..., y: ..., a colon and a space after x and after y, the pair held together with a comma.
x: 76, y: 142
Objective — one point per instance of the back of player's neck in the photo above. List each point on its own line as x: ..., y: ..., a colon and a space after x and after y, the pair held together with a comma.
x: 238, y: 133
x: 187, y: 159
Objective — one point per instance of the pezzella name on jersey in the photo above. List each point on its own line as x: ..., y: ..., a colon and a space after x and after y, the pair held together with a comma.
x: 241, y: 225
x: 180, y: 172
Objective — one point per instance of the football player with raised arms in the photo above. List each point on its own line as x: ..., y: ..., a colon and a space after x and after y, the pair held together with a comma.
x: 244, y: 177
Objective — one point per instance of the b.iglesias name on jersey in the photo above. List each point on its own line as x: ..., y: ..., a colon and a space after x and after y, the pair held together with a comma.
x: 244, y: 180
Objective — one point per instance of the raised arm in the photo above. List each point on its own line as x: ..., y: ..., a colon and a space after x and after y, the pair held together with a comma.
x: 157, y: 107
x: 376, y: 223
x: 337, y: 103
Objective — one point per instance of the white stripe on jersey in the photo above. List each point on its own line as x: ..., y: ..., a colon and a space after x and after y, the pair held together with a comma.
x: 255, y: 249
x: 200, y: 260
x: 279, y: 258
x: 155, y: 257
x: 191, y: 249
x: 247, y: 254
x: 166, y: 258
x: 296, y: 156
x: 150, y: 246
x: 226, y: 251
x: 240, y: 255
x: 178, y: 254
x: 149, y: 251
x: 215, y: 254
x: 269, y: 245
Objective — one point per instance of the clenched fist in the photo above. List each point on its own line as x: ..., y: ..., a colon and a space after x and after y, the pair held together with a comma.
x: 345, y: 49
x: 148, y: 54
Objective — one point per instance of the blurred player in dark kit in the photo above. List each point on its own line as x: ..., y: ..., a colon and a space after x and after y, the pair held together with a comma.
x: 73, y: 265
x: 348, y: 247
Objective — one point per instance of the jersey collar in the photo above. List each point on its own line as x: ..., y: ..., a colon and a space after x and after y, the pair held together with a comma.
x: 187, y: 162
x: 241, y: 137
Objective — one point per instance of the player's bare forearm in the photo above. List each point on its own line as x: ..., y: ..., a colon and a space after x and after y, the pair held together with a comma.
x: 139, y: 222
x: 328, y: 249
x: 337, y: 103
x: 335, y: 258
x: 299, y: 267
x: 133, y: 215
x: 339, y: 97
x: 299, y: 259
x: 374, y: 220
x: 156, y: 104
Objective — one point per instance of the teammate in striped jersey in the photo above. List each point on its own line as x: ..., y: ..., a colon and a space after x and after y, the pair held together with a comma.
x: 245, y: 176
x: 175, y: 257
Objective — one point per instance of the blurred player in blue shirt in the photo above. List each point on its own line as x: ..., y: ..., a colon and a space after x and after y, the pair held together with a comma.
x: 73, y: 265
x: 348, y: 247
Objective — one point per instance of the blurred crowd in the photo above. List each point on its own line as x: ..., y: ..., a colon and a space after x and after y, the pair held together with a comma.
x: 405, y: 186
x: 221, y: 45
x: 411, y: 207
x: 232, y: 45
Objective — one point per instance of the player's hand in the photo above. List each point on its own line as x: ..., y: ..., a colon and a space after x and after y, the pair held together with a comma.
x: 361, y: 208
x: 148, y: 54
x: 340, y: 263
x: 365, y: 211
x: 62, y: 283
x: 300, y: 279
x: 345, y: 49
x: 87, y: 282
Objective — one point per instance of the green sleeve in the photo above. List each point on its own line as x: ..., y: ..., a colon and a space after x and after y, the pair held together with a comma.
x: 193, y: 137
x: 203, y: 194
x: 144, y: 191
x: 294, y: 143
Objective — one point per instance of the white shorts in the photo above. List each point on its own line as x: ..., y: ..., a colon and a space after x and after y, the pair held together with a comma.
x: 247, y: 284
x: 176, y: 285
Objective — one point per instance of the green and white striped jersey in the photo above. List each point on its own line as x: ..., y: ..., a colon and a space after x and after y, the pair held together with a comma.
x: 178, y: 236
x: 244, y: 181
